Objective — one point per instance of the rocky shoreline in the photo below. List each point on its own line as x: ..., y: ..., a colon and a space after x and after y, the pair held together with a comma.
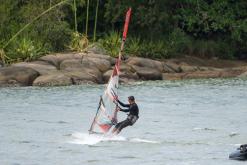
x: 80, y: 68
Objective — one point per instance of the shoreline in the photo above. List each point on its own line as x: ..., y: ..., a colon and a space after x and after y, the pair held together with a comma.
x: 62, y: 69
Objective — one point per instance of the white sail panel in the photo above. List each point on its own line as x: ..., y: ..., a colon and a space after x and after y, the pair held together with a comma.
x: 106, y: 115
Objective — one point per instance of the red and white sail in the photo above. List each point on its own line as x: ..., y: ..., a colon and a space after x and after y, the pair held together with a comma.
x: 106, y: 115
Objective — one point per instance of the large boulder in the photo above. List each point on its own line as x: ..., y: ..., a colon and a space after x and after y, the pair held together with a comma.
x: 92, y: 63
x: 203, y: 68
x: 51, y: 59
x: 146, y: 73
x: 101, y: 57
x: 128, y: 76
x: 53, y: 79
x: 88, y: 69
x: 79, y: 77
x: 184, y: 67
x: 17, y: 76
x: 127, y: 73
x: 65, y: 56
x: 39, y: 66
x: 74, y: 64
x: 69, y: 77
x: 144, y: 62
x: 102, y: 64
x: 243, y: 75
x: 124, y: 67
x: 56, y: 59
x: 107, y: 75
x: 168, y: 69
x: 86, y: 74
x: 171, y: 67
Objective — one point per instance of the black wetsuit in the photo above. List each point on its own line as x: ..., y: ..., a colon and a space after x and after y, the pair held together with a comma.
x: 132, y: 116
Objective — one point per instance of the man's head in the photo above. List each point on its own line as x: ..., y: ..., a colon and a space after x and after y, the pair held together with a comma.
x: 131, y: 99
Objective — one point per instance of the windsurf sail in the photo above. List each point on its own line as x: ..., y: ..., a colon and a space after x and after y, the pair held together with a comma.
x: 106, y: 114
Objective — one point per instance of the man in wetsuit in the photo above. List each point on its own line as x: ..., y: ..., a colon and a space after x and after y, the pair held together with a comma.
x: 132, y: 116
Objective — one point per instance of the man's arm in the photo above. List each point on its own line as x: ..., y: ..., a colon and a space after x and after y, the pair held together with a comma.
x: 122, y: 104
x: 124, y: 110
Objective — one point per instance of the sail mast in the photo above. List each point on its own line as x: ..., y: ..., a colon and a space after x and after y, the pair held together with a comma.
x: 126, y: 27
x: 106, y: 112
x: 93, y: 123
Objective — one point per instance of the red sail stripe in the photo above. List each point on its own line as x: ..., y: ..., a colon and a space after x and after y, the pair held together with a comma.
x: 105, y: 127
x: 126, y: 25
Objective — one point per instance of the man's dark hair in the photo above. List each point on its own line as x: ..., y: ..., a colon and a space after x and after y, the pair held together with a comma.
x: 131, y: 98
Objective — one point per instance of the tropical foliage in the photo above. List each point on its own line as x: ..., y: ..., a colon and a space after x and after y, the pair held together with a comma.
x: 158, y: 29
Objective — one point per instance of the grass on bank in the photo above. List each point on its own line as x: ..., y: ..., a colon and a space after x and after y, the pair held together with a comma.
x: 27, y: 49
x: 174, y: 45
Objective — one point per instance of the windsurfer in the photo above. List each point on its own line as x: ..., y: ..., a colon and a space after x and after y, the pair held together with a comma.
x: 132, y: 116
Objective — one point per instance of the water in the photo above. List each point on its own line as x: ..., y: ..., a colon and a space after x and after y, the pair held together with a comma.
x: 181, y: 123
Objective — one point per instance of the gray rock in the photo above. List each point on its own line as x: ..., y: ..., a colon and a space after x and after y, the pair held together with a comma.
x: 51, y: 59
x: 128, y: 76
x: 173, y: 66
x: 126, y: 73
x: 87, y: 62
x: 87, y: 69
x: 144, y: 62
x: 126, y: 68
x: 79, y: 77
x: 85, y: 74
x: 101, y: 56
x: 17, y: 76
x: 146, y: 73
x: 107, y: 75
x: 168, y: 69
x: 39, y: 66
x: 53, y: 79
x: 102, y: 64
x: 56, y: 59
x: 203, y: 68
x: 74, y: 64
x: 188, y: 68
x: 243, y: 75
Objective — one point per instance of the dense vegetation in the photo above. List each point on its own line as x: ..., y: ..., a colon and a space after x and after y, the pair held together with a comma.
x: 159, y: 28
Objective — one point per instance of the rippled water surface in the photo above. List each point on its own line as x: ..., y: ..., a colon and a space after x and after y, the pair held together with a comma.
x: 181, y: 123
